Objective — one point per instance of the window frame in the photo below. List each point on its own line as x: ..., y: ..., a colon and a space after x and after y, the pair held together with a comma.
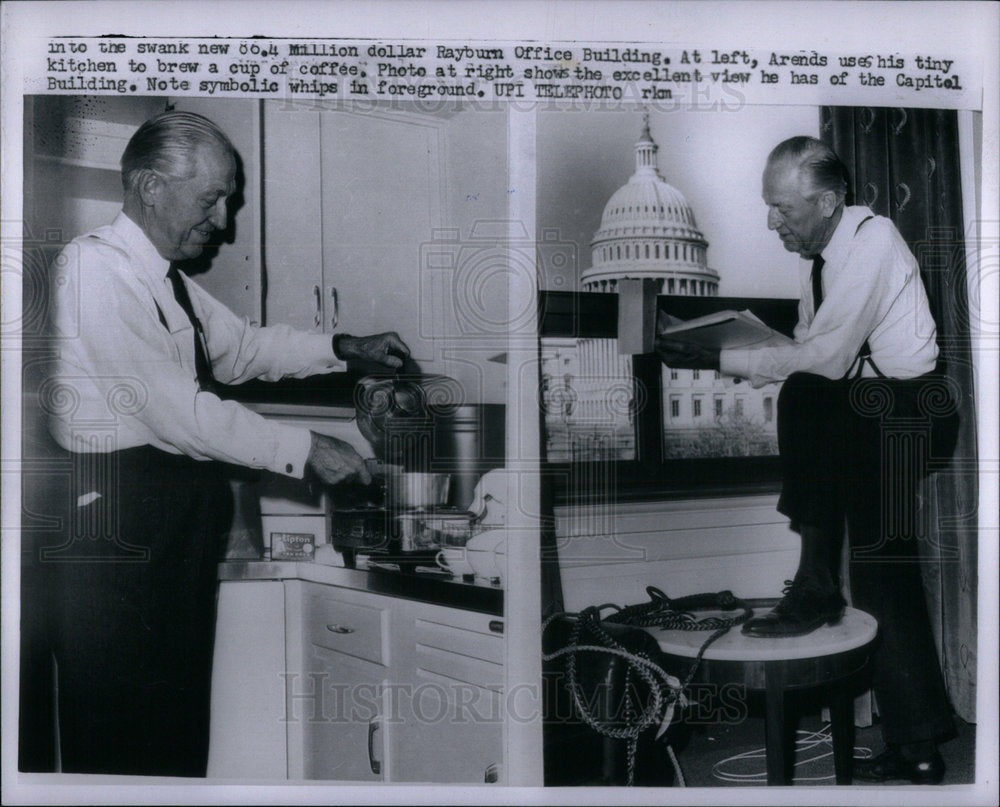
x: 649, y: 476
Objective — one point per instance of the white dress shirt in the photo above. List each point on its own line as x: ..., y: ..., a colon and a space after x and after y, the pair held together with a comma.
x: 871, y: 290
x: 124, y: 380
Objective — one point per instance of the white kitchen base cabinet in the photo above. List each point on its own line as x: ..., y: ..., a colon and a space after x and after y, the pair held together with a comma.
x: 450, y: 696
x: 337, y: 654
x: 323, y: 682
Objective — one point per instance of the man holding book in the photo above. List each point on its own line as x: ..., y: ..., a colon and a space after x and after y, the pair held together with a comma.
x: 864, y: 352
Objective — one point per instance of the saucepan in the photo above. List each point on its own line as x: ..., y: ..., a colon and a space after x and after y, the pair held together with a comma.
x: 412, y: 490
x: 430, y: 529
x: 393, y: 488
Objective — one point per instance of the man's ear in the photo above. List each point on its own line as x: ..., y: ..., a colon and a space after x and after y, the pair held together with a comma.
x: 828, y: 203
x: 150, y: 186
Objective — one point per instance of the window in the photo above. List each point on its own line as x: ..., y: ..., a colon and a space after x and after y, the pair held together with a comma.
x: 696, y: 374
x: 587, y: 400
x: 656, y: 431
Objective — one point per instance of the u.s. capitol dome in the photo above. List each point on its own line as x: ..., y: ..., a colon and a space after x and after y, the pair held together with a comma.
x: 648, y: 230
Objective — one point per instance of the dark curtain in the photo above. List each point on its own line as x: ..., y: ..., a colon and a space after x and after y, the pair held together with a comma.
x: 905, y: 165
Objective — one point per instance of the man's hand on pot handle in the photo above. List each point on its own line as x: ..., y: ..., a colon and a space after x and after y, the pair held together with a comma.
x: 686, y: 356
x: 385, y: 349
x: 335, y: 461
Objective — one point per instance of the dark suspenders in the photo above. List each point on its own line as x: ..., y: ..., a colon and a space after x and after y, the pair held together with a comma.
x: 865, y: 354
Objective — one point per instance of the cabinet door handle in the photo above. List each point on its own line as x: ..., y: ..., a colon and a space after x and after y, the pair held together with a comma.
x: 339, y: 629
x: 335, y: 305
x: 318, y: 316
x: 374, y: 764
x: 492, y: 774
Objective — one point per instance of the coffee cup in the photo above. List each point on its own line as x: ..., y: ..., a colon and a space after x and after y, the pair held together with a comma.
x: 453, y: 559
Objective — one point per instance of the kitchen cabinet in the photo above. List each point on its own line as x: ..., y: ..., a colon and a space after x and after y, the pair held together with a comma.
x: 386, y: 689
x: 451, y: 695
x: 293, y: 220
x: 338, y: 671
x: 350, y: 197
x: 392, y: 218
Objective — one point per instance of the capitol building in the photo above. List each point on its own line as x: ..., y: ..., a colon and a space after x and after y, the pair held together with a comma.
x: 648, y: 230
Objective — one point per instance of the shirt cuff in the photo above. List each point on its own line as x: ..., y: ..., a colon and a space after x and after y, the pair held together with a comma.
x: 735, y: 363
x: 292, y: 445
x: 318, y: 350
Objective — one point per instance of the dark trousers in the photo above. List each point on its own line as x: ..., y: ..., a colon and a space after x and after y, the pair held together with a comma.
x: 130, y: 590
x: 858, y: 450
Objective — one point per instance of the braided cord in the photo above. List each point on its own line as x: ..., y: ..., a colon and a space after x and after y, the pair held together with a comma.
x: 659, y: 612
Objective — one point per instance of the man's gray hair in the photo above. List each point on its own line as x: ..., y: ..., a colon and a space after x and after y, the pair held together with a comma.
x: 166, y: 144
x: 816, y: 161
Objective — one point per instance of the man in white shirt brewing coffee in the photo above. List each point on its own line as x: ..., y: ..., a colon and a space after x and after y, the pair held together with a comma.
x: 131, y: 583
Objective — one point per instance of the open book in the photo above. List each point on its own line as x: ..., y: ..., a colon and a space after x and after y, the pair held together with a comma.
x: 723, y: 329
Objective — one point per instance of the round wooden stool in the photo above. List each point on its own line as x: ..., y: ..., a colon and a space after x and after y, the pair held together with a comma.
x: 826, y: 657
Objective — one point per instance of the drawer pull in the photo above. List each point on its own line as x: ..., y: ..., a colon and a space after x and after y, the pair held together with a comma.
x: 339, y: 629
x: 496, y: 625
x: 374, y: 764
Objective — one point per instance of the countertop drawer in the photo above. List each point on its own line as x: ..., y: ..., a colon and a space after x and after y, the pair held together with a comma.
x: 459, y: 645
x: 354, y: 629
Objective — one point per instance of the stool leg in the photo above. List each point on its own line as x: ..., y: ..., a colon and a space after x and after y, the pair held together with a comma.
x: 842, y: 729
x: 775, y: 728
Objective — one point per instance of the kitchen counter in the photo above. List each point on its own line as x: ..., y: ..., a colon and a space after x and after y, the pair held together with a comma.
x: 437, y: 589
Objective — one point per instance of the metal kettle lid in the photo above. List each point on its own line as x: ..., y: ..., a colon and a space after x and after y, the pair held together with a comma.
x: 405, y: 401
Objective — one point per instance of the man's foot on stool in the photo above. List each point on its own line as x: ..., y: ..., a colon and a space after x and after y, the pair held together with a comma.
x: 804, y: 607
x: 893, y: 765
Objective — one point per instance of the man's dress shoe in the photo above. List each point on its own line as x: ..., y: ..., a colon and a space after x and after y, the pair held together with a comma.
x: 803, y: 609
x: 891, y: 765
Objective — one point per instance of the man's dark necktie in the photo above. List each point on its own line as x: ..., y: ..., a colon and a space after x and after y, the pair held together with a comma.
x: 203, y: 367
x: 817, y: 282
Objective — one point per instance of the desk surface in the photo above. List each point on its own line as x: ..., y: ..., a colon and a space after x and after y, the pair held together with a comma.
x: 855, y: 630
